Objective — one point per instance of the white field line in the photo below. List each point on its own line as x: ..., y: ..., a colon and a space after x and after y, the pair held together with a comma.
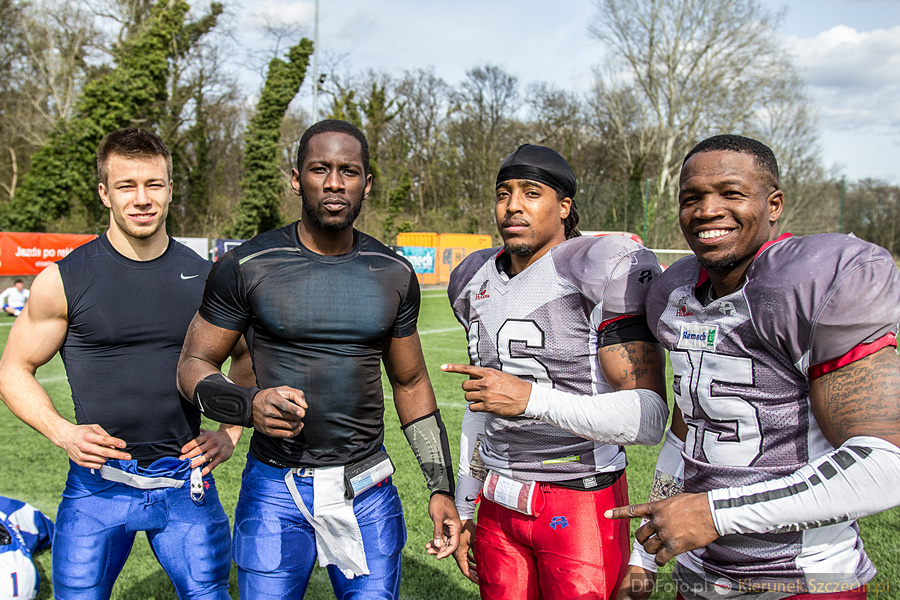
x: 444, y: 330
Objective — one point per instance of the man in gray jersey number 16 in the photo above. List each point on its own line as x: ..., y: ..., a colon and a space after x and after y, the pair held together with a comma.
x: 322, y: 305
x: 117, y: 309
x: 563, y: 373
x: 787, y: 376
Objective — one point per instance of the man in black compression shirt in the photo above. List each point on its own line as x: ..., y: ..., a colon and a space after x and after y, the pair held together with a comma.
x: 322, y: 305
x: 117, y: 309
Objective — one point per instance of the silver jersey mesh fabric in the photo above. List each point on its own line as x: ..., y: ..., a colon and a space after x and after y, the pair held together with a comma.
x: 542, y: 325
x: 741, y: 369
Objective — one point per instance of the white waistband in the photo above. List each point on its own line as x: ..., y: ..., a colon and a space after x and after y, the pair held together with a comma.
x: 142, y: 482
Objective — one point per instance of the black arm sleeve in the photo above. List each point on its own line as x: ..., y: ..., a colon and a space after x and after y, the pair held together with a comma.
x: 628, y: 329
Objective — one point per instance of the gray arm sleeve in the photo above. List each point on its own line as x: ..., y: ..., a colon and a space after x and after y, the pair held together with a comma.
x: 428, y: 439
x: 860, y: 478
x: 621, y: 418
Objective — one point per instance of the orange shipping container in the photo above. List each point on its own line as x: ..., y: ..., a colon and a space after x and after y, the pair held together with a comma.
x: 416, y: 238
x: 420, y: 248
x: 454, y: 247
x: 435, y: 255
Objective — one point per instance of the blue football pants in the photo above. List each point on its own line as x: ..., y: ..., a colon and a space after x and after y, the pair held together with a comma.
x: 98, y: 519
x: 275, y: 546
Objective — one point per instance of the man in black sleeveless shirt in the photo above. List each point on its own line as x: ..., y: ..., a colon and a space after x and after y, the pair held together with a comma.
x: 322, y: 305
x: 117, y: 309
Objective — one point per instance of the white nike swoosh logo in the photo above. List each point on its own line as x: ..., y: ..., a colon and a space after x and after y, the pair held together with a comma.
x: 371, y: 268
x: 183, y: 276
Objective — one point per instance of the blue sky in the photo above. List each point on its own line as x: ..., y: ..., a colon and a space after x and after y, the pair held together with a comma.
x: 847, y: 50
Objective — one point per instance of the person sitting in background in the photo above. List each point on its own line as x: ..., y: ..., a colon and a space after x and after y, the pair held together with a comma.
x: 14, y: 298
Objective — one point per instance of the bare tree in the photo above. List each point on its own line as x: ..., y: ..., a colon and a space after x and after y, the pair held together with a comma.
x: 46, y: 51
x: 679, y: 70
x: 421, y: 132
x: 559, y: 119
x: 788, y: 124
x: 11, y: 48
x: 58, y: 37
x: 483, y: 132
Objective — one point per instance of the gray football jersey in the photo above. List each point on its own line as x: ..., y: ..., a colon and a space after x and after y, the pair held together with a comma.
x: 543, y: 326
x: 742, y: 366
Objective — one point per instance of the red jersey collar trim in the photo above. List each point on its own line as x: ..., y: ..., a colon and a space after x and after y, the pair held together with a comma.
x: 703, y: 278
x: 781, y: 237
x: 613, y: 320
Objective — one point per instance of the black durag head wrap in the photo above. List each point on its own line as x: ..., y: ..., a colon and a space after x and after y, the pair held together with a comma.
x: 540, y: 164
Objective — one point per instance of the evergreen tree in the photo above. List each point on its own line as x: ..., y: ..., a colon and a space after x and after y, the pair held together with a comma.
x: 133, y: 93
x: 263, y: 182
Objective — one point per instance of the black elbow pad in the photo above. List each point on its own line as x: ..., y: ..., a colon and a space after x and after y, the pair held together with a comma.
x: 222, y: 400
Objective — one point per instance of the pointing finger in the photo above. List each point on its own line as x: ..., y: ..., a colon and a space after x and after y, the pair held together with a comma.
x: 631, y: 511
x: 470, y: 370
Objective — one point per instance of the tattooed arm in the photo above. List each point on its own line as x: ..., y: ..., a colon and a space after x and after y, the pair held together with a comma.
x: 634, y: 365
x: 861, y: 398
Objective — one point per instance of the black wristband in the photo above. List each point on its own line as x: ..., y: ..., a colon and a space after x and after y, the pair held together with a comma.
x: 222, y: 400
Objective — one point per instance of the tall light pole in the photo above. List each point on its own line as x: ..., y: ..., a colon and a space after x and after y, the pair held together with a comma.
x: 315, y: 107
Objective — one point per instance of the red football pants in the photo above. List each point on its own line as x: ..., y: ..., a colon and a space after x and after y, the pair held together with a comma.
x: 569, y: 550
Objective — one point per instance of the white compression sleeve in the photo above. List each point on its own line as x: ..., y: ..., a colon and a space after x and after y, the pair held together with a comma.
x: 470, y: 476
x: 667, y: 482
x: 861, y: 477
x: 620, y: 418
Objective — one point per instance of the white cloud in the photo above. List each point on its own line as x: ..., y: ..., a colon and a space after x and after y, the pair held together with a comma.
x: 843, y: 57
x: 853, y: 77
x: 282, y: 14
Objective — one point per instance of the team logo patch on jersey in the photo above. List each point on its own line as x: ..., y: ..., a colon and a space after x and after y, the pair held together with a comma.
x: 727, y: 309
x: 558, y: 523
x: 698, y: 336
x: 683, y: 311
x: 482, y: 293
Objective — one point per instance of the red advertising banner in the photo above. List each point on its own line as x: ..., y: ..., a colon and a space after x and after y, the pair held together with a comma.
x: 29, y: 253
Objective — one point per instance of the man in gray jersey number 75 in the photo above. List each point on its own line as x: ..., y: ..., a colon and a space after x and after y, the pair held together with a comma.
x: 787, y: 376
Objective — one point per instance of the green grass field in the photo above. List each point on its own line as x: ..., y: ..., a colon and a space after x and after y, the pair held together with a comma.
x: 34, y: 471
